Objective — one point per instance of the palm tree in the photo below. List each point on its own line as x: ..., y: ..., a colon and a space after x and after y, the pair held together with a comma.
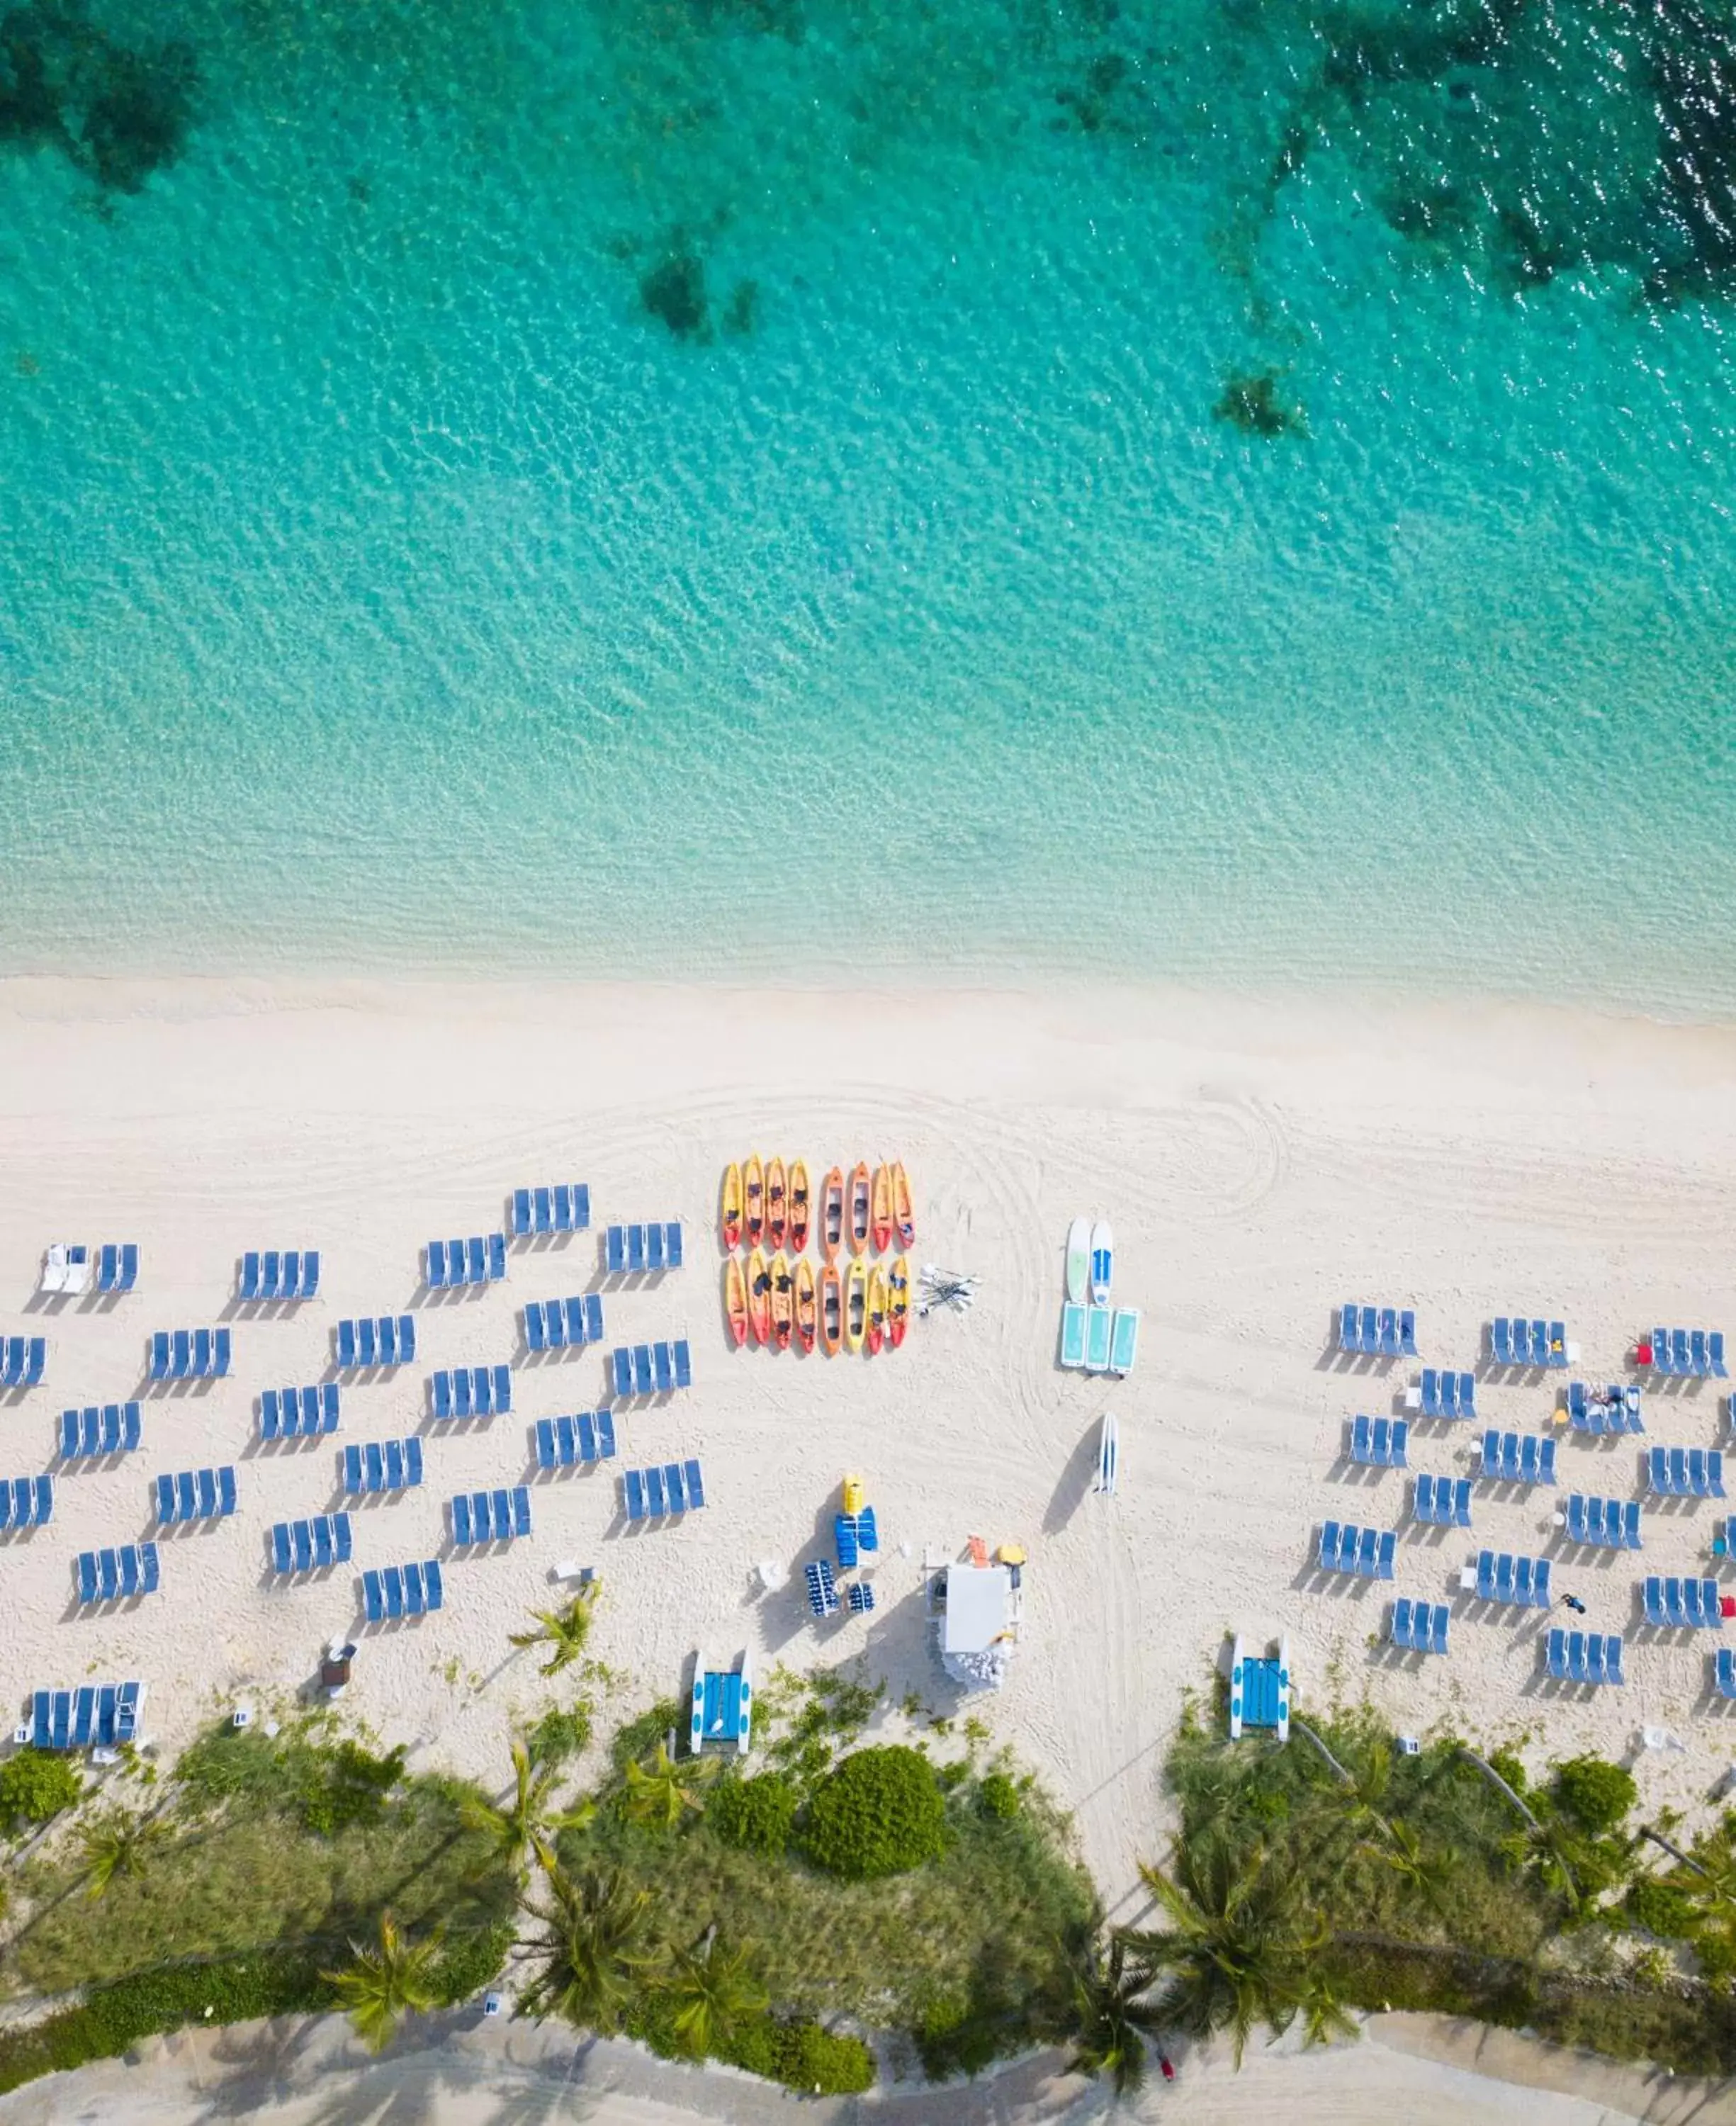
x: 1426, y: 1871
x: 383, y: 1984
x: 716, y: 1991
x: 1239, y: 1946
x: 118, y: 1844
x: 1363, y: 1784
x: 563, y: 1632
x: 658, y: 1794
x: 595, y: 1950
x: 1112, y: 2021
x: 523, y: 1827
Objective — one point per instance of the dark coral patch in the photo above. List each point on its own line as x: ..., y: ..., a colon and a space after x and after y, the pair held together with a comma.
x: 119, y: 112
x: 674, y: 291
x: 1251, y: 403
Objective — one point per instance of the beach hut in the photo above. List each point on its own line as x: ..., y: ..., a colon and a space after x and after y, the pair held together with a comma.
x: 1259, y: 1690
x: 977, y: 1622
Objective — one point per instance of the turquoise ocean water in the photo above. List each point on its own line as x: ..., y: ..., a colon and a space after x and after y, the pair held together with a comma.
x: 783, y: 487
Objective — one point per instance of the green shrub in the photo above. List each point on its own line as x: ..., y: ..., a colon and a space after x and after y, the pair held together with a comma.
x: 36, y: 1784
x: 804, y: 2057
x: 878, y: 1812
x: 561, y: 1733
x: 1660, y: 1908
x: 113, y: 2018
x: 755, y: 1815
x: 997, y: 1795
x: 471, y: 1962
x: 1596, y: 1794
x: 1510, y: 1766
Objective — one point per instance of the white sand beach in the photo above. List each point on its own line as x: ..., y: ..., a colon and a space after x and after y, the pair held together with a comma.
x: 1260, y: 1160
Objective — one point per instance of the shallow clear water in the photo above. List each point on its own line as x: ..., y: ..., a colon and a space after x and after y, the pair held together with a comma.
x: 695, y: 488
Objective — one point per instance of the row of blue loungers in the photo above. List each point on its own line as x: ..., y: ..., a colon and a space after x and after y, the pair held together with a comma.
x: 114, y: 1428
x: 631, y: 1248
x: 1445, y: 1394
x: 22, y: 1360
x: 1614, y: 1408
x: 117, y: 1267
x: 376, y: 1340
x: 321, y: 1539
x: 1384, y: 1332
x: 1353, y: 1549
x: 1442, y: 1501
x: 395, y: 1466
x: 1516, y: 1458
x: 26, y: 1502
x: 110, y: 1576
x: 652, y: 1368
x: 491, y: 1516
x: 1419, y: 1626
x: 298, y: 1413
x: 1514, y: 1341
x: 1381, y: 1442
x: 275, y: 1274
x: 1608, y: 1523
x: 564, y: 1208
x: 1681, y: 1603
x: 1689, y: 1472
x: 471, y: 1391
x: 564, y: 1442
x: 482, y: 1259
x: 190, y: 1355
x: 406, y: 1590
x: 1585, y: 1656
x: 1499, y: 1577
x: 100, y: 1715
x: 197, y: 1495
x: 1692, y: 1354
x: 674, y: 1488
x: 561, y: 1325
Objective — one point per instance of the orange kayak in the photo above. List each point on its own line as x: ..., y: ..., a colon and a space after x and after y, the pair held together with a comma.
x: 898, y: 1287
x: 759, y: 1298
x: 798, y: 1206
x: 877, y: 1305
x: 831, y: 1213
x: 881, y: 1223
x: 777, y: 1203
x: 732, y: 1205
x: 754, y: 1178
x: 859, y: 1215
x: 783, y: 1301
x: 735, y: 1298
x: 804, y: 1306
x: 901, y: 1212
x: 831, y: 1309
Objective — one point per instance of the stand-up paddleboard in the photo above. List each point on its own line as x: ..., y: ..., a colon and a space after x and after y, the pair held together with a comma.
x: 1109, y: 1454
x: 1078, y: 1259
x: 1102, y: 1261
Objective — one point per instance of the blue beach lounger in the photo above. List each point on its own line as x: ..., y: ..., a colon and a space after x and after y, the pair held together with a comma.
x: 1350, y: 1329
x: 519, y: 1220
x: 697, y: 1493
x: 633, y: 1488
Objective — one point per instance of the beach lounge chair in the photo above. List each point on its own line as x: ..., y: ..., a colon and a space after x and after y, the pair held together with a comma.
x: 664, y: 1366
x: 1368, y: 1550
x: 518, y: 1220
x: 1558, y: 1654
x: 1407, y: 1332
x: 1361, y: 1443
x: 654, y: 1499
x: 656, y: 1257
x: 675, y: 1487
x: 1651, y: 1595
x: 1658, y: 1471
x: 563, y: 1208
x: 1368, y: 1330
x: 1385, y: 1553
x: 476, y: 1261
x: 1724, y: 1672
x: 373, y: 1598
x: 1660, y: 1350
x: 633, y: 1488
x: 638, y: 1253
x: 615, y: 1250
x: 521, y: 1520
x: 1500, y: 1340
x: 543, y: 1208
x: 1398, y: 1629
x: 1699, y: 1362
x: 1387, y: 1332
x: 462, y: 1532
x: 1680, y: 1361
x: 1678, y: 1467
x: 1715, y: 1364
x: 1350, y: 1329
x: 696, y: 1491
x: 434, y: 1265
x: 843, y: 1533
x: 1327, y: 1554
x: 1072, y: 1336
x: 543, y: 1433
x: 642, y: 1372
x: 621, y: 1365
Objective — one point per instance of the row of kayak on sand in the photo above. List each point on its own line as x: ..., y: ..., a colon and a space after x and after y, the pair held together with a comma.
x: 764, y: 1204
x: 782, y: 1302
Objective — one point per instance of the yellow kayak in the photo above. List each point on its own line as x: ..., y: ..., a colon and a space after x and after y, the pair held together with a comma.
x: 855, y: 1302
x: 878, y: 1299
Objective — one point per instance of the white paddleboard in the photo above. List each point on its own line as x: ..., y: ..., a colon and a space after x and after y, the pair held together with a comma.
x: 1109, y: 1455
x: 1102, y: 1261
x: 1078, y: 1259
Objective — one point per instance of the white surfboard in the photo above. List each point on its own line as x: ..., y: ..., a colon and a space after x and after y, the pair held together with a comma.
x: 1102, y: 1261
x: 1078, y: 1259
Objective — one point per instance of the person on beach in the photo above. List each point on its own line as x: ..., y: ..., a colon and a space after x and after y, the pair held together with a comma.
x: 1574, y: 1604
